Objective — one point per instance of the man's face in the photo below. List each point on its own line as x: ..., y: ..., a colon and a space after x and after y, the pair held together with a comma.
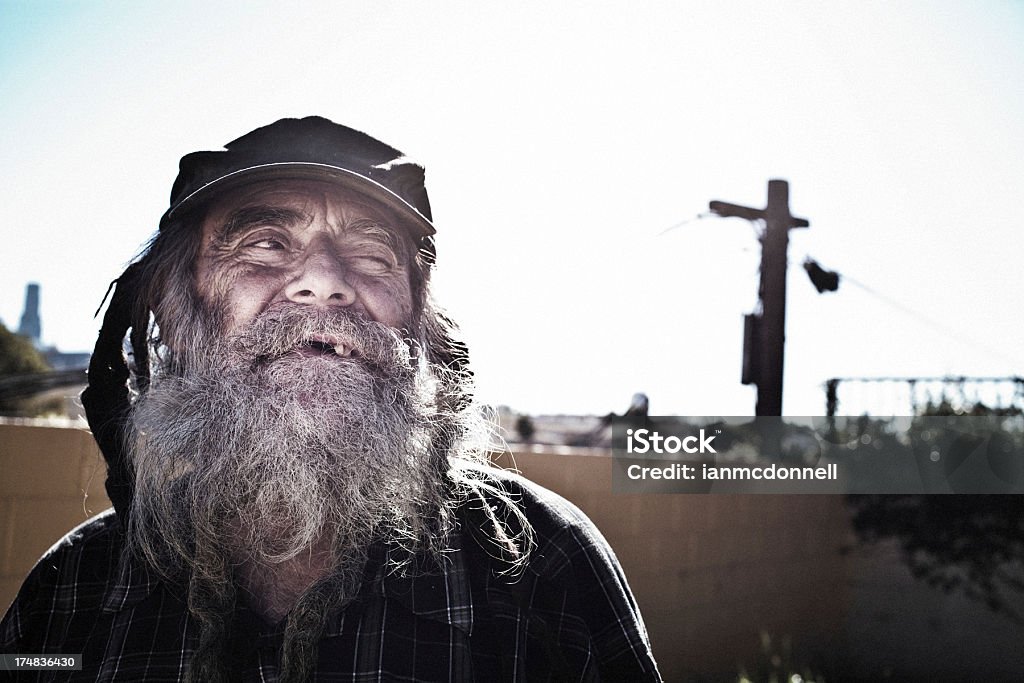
x: 279, y: 447
x: 305, y: 242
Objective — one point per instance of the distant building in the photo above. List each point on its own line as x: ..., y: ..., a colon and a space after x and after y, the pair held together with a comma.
x: 30, y: 325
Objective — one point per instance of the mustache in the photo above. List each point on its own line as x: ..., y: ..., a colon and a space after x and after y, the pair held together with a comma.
x: 286, y: 327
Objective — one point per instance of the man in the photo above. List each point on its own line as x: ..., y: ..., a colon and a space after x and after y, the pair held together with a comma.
x: 297, y: 469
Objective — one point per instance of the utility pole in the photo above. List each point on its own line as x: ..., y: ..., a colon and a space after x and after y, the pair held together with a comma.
x: 765, y: 334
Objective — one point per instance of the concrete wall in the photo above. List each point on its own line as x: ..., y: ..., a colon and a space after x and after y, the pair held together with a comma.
x: 715, y: 574
x: 712, y: 573
x: 51, y: 479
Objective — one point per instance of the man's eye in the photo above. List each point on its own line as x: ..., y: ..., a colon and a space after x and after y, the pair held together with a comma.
x: 374, y: 263
x: 269, y: 243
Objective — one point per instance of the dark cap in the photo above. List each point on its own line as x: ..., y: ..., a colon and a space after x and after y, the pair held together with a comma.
x: 312, y: 148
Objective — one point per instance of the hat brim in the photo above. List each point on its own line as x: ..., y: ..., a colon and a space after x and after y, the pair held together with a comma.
x: 416, y: 222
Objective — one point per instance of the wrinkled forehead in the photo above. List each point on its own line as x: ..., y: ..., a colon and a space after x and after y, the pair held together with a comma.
x: 299, y: 203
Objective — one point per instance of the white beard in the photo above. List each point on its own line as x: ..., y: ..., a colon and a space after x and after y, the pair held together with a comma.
x: 260, y: 455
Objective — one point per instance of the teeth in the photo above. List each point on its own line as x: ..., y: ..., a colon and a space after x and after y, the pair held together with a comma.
x: 326, y: 346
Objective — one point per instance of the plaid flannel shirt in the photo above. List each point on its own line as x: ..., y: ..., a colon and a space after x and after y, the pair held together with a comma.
x: 569, y: 616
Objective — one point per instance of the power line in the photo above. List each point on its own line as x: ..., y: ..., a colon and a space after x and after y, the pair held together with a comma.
x: 919, y: 317
x: 680, y: 224
x: 923, y: 319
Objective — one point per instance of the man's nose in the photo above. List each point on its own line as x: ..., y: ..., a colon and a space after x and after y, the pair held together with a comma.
x: 321, y: 279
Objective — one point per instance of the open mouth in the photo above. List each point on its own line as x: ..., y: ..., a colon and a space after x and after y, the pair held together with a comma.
x: 324, y: 346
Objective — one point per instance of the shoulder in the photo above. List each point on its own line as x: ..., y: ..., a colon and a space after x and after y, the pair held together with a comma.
x: 556, y: 543
x: 569, y: 586
x: 84, y: 551
x: 544, y: 505
x: 563, y: 534
x: 98, y: 528
x: 560, y: 532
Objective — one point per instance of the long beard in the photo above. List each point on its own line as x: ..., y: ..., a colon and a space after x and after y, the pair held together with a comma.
x: 259, y: 450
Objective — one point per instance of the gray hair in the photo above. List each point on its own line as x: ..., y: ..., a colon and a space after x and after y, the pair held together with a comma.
x: 171, y: 325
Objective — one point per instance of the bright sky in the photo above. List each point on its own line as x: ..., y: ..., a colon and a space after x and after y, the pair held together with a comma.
x: 561, y: 139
